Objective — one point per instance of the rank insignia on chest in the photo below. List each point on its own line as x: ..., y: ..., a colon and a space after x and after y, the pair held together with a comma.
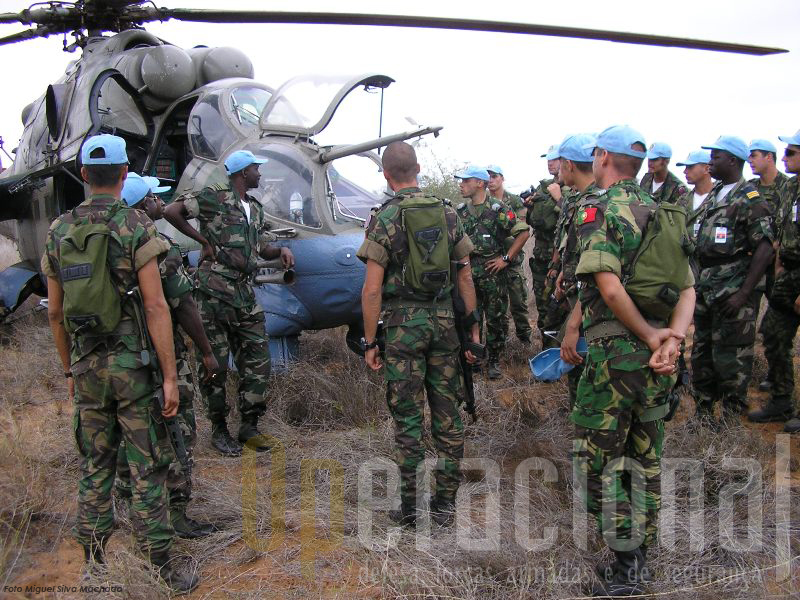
x: 589, y: 214
x: 753, y: 194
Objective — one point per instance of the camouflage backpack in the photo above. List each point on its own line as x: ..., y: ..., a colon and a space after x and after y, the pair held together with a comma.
x: 91, y: 299
x: 427, y: 268
x: 658, y: 271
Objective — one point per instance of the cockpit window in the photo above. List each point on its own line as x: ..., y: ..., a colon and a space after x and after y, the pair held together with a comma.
x: 117, y: 110
x: 209, y: 134
x: 285, y: 189
x: 357, y: 184
x: 247, y: 104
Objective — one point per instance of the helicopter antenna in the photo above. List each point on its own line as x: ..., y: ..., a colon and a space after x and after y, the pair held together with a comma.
x: 380, y: 121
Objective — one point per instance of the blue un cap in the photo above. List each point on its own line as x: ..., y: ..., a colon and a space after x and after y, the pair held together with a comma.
x: 659, y: 150
x: 113, y: 150
x: 618, y: 139
x: 135, y: 189
x: 494, y: 169
x: 578, y: 147
x: 241, y: 159
x: 473, y: 171
x: 763, y: 145
x: 548, y: 366
x: 155, y: 185
x: 791, y: 139
x: 698, y: 157
x: 731, y: 144
x: 552, y: 153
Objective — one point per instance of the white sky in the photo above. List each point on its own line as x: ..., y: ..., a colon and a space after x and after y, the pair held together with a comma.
x: 503, y: 98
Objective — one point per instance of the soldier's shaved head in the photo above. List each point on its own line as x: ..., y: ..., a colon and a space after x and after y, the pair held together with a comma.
x: 628, y: 165
x: 400, y: 162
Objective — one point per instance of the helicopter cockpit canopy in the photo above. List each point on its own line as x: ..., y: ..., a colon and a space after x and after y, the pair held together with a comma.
x: 305, y: 105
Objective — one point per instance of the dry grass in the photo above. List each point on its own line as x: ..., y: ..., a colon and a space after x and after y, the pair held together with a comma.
x: 329, y: 407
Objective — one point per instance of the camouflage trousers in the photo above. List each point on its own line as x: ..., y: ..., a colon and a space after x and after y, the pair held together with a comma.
x: 518, y: 300
x: 422, y: 357
x: 722, y: 356
x: 539, y: 276
x: 779, y: 327
x: 619, y: 437
x: 114, y: 402
x: 240, y: 331
x: 179, y: 479
x: 493, y: 308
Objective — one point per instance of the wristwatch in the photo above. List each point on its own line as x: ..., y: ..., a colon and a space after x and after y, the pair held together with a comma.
x: 506, y: 258
x: 367, y: 346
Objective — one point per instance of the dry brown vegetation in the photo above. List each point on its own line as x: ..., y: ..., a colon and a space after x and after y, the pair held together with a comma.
x: 329, y: 407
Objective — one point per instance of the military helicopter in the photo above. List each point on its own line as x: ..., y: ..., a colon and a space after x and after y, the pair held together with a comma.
x: 182, y: 112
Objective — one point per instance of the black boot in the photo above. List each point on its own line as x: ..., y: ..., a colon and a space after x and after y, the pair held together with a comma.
x: 493, y: 371
x: 628, y: 578
x: 222, y: 441
x: 776, y: 410
x: 248, y: 430
x: 179, y: 581
x: 406, y: 516
x: 94, y: 556
x: 443, y: 512
x: 792, y: 425
x: 186, y: 527
x: 605, y: 571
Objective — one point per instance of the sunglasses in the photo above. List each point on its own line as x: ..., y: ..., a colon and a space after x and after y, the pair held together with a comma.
x: 788, y: 152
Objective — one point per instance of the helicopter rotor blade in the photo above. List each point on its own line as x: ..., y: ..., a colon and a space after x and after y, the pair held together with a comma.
x: 10, y: 17
x: 28, y: 34
x: 327, y: 18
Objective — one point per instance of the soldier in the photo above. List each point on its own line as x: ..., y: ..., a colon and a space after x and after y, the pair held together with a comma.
x: 697, y: 174
x: 543, y: 211
x: 630, y: 365
x: 733, y: 249
x: 140, y: 193
x: 101, y: 346
x: 421, y: 340
x: 659, y: 182
x: 576, y: 172
x: 515, y: 275
x: 782, y: 317
x: 233, y: 235
x: 762, y: 158
x: 488, y: 226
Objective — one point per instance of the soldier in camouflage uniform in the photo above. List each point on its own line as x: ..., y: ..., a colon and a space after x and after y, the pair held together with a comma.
x: 783, y: 315
x: 630, y: 364
x: 733, y: 249
x: 488, y: 226
x: 421, y: 339
x: 140, y: 193
x: 659, y: 181
x: 542, y: 216
x: 233, y: 235
x: 114, y: 388
x: 515, y: 274
x: 762, y: 159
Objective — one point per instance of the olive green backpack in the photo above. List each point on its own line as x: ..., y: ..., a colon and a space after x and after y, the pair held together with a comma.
x: 658, y: 271
x: 91, y: 299
x: 427, y: 268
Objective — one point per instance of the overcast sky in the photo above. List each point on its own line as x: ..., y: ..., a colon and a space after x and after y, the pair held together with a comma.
x: 503, y: 98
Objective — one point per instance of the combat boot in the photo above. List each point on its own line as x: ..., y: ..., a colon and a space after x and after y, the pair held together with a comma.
x: 494, y: 370
x: 248, y: 429
x: 443, y: 512
x: 777, y: 409
x: 628, y: 578
x: 765, y: 386
x: 792, y: 425
x: 222, y: 441
x: 179, y: 581
x: 94, y: 556
x: 406, y: 516
x: 186, y: 527
x: 605, y: 571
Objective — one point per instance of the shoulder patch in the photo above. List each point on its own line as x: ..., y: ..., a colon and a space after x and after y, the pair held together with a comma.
x: 752, y: 194
x: 588, y: 214
x: 510, y: 214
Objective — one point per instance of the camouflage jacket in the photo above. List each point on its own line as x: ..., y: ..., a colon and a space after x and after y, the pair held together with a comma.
x: 386, y: 243
x: 176, y: 284
x: 568, y: 204
x: 729, y: 231
x: 672, y: 190
x: 569, y: 243
x: 135, y: 243
x: 488, y: 225
x: 237, y: 241
x: 542, y: 216
x: 772, y: 194
x: 609, y: 228
x: 790, y: 225
x: 514, y: 202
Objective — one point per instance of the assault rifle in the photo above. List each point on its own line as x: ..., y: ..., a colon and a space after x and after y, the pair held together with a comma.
x: 464, y: 322
x: 150, y: 358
